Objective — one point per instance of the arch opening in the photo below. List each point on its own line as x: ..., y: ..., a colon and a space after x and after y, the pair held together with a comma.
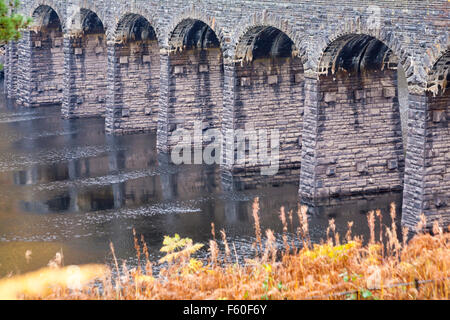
x: 134, y: 27
x: 137, y: 61
x: 439, y: 77
x: 191, y: 34
x: 438, y: 140
x: 360, y: 146
x: 90, y: 22
x: 46, y: 18
x: 270, y: 96
x: 264, y: 42
x: 357, y: 54
x: 196, y: 79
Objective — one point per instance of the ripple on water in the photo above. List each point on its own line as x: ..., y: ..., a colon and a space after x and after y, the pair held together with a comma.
x: 11, y: 161
x: 61, y: 203
x: 107, y: 180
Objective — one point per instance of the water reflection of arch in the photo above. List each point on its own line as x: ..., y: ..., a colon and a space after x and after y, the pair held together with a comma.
x: 185, y: 181
x: 353, y: 209
x: 239, y: 191
x: 190, y: 191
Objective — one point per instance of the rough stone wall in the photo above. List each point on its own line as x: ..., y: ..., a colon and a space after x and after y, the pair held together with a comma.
x: 269, y: 95
x: 137, y: 94
x: 413, y: 192
x: 437, y: 174
x: 47, y: 72
x: 251, y: 179
x: 164, y: 101
x: 196, y: 84
x: 24, y: 83
x: 11, y: 71
x: 428, y: 158
x: 89, y: 75
x: 359, y: 143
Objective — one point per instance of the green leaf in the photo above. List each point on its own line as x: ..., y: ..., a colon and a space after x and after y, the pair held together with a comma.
x: 280, y: 286
x: 351, y: 296
x: 265, y: 285
x: 366, y: 294
x: 11, y: 23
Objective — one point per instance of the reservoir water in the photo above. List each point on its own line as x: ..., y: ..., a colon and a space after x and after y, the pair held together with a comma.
x: 65, y: 185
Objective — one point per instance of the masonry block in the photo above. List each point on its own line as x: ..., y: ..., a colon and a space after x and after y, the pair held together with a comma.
x: 299, y: 78
x: 392, y: 164
x: 272, y: 102
x: 271, y: 80
x: 439, y: 116
x: 245, y: 82
x: 178, y: 70
x: 329, y: 97
x: 146, y: 58
x: 389, y: 92
x: 203, y: 68
x: 41, y: 69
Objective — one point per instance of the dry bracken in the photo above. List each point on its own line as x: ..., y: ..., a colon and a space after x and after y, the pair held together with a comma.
x: 415, y: 269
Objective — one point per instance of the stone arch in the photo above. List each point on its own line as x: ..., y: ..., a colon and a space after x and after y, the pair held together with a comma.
x: 266, y: 19
x: 261, y: 41
x: 433, y: 54
x: 437, y: 142
x: 45, y: 16
x: 42, y: 58
x: 54, y: 5
x: 87, y: 57
x: 76, y: 16
x: 137, y: 9
x: 192, y: 34
x: 134, y: 64
x: 439, y: 72
x: 196, y: 13
x: 195, y: 45
x: 91, y: 23
x: 357, y: 26
x: 372, y: 53
x: 360, y: 139
x: 269, y: 95
x: 127, y: 28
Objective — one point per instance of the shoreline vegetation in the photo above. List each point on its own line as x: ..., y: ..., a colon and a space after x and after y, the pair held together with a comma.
x: 340, y: 268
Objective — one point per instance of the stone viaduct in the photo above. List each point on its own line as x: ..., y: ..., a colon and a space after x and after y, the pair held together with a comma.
x: 324, y: 73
